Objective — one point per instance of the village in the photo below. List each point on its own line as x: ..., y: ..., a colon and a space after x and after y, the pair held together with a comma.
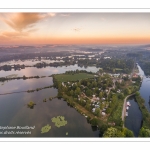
x: 99, y: 93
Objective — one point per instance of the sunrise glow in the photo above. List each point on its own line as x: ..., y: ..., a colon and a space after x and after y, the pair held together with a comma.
x: 74, y: 28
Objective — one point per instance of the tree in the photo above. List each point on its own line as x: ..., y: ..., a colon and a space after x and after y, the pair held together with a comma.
x: 128, y: 133
x: 121, y: 96
x: 88, y: 84
x: 94, y: 122
x: 78, y: 84
x: 31, y: 104
x: 97, y: 112
x: 127, y: 91
x: 94, y: 84
x: 89, y: 92
x: 71, y: 92
x: 144, y: 132
x: 96, y: 90
x: 100, y: 94
x: 24, y: 77
x: 78, y: 91
x: 88, y: 106
x: 113, y: 132
x: 104, y: 86
x: 137, y: 93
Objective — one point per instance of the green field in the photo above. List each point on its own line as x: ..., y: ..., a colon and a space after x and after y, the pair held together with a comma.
x: 118, y: 69
x: 74, y: 77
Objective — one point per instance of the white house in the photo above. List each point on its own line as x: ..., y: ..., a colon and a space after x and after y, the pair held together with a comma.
x: 93, y: 110
x: 103, y: 113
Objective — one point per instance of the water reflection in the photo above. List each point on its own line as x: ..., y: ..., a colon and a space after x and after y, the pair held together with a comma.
x: 33, y: 71
x: 28, y: 62
x: 144, y: 89
x: 24, y: 85
x: 134, y: 118
x: 14, y: 112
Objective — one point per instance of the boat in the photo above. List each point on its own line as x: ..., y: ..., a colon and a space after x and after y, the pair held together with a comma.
x: 128, y: 104
x: 126, y: 113
x: 127, y: 107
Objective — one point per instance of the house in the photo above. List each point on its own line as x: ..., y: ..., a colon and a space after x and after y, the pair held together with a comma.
x: 93, y: 96
x: 135, y: 75
x: 103, y: 113
x: 97, y: 98
x: 125, y: 75
x: 116, y: 75
x: 104, y: 109
x: 107, y: 57
x: 119, y: 91
x: 96, y: 106
x: 119, y: 80
x: 93, y: 110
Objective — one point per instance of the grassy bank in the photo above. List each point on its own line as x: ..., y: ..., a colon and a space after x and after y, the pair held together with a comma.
x: 145, y: 112
x: 72, y: 77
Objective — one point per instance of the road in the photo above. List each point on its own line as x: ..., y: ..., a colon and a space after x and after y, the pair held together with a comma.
x: 133, y: 70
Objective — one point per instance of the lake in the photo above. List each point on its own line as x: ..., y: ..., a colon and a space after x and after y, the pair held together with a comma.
x: 33, y: 71
x: 14, y: 111
x: 29, y: 62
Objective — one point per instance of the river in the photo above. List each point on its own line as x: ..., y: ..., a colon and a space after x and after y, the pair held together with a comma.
x: 134, y: 119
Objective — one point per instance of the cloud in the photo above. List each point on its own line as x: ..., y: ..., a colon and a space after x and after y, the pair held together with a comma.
x: 23, y: 21
x: 31, y: 30
x: 77, y: 29
x: 64, y: 15
x: 14, y: 34
x: 3, y: 38
x: 22, y: 24
x: 51, y: 14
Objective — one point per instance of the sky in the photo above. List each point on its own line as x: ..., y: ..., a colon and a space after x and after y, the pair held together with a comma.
x: 74, y: 28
